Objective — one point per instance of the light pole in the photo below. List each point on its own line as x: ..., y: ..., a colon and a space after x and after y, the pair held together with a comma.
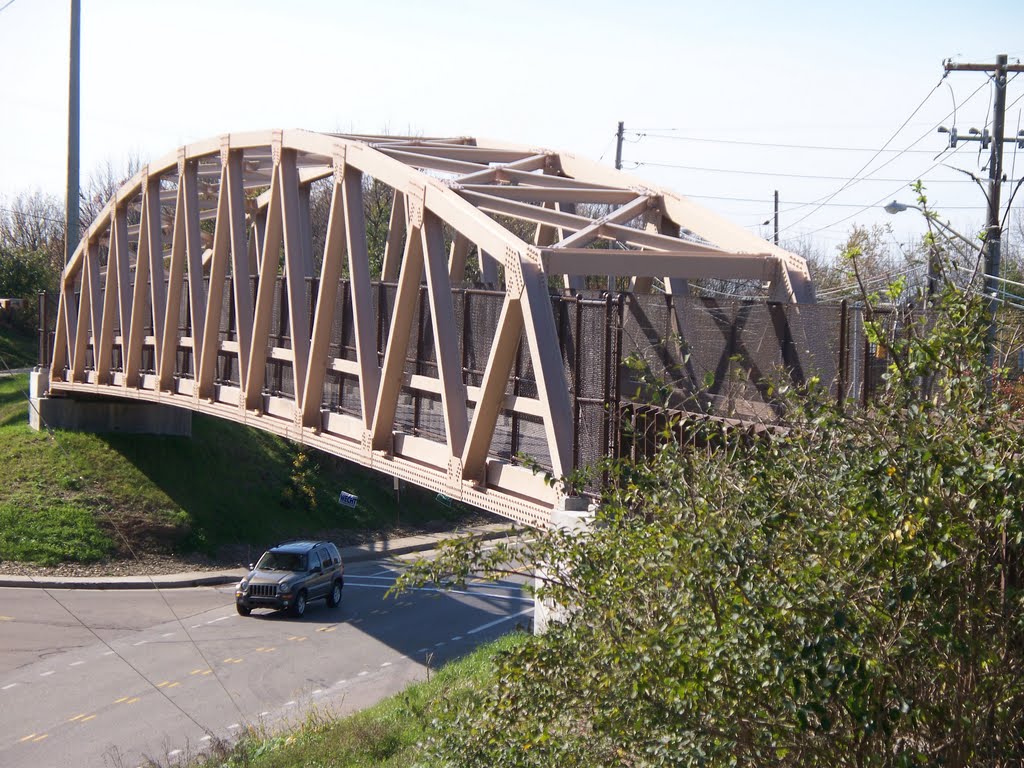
x: 71, y: 202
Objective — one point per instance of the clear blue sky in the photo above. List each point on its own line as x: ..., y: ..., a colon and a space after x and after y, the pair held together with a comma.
x: 555, y: 74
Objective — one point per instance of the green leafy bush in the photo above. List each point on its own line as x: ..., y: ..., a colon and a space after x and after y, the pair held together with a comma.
x: 846, y: 592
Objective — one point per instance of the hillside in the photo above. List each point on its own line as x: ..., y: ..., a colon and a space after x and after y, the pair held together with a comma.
x: 72, y: 497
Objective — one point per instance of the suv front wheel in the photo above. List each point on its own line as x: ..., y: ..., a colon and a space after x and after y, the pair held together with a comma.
x: 299, y: 606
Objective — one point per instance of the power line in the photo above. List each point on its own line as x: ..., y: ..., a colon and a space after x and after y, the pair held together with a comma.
x: 864, y: 167
x: 882, y: 199
x: 742, y: 172
x: 27, y: 215
x: 780, y: 146
x: 798, y: 205
x: 6, y: 5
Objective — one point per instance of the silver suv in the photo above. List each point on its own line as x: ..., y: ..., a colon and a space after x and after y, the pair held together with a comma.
x: 289, y: 575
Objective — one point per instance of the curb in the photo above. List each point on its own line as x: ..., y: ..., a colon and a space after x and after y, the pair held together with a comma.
x: 352, y: 554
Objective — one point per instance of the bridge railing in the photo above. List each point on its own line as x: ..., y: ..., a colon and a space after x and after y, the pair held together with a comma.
x: 722, y: 358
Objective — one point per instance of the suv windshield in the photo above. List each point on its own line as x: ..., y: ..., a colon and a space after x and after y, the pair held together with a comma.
x: 282, y: 561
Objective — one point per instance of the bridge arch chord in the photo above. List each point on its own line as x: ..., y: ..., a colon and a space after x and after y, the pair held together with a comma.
x: 233, y: 259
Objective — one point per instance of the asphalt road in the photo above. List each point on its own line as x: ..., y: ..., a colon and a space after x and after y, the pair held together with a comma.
x: 102, y: 678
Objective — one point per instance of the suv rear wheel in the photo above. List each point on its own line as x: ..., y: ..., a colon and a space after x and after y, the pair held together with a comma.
x: 334, y: 596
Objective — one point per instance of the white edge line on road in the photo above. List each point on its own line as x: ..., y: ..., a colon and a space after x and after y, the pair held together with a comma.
x: 445, y: 591
x: 46, y: 674
x: 76, y: 663
x: 9, y: 685
x: 385, y: 664
x: 490, y: 624
x: 476, y: 582
x: 141, y: 642
x: 232, y: 726
x: 109, y: 653
x: 174, y: 753
x: 318, y: 691
x: 207, y: 737
x: 364, y: 672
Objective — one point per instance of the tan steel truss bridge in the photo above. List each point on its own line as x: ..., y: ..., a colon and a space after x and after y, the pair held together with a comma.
x: 143, y: 314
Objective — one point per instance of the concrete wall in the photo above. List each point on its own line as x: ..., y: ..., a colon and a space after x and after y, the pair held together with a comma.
x: 128, y: 416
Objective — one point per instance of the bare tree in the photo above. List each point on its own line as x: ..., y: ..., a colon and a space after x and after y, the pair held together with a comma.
x: 33, y: 222
x: 101, y: 186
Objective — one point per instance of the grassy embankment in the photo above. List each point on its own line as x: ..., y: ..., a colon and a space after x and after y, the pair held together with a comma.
x: 18, y: 348
x: 386, y: 735
x: 85, y: 497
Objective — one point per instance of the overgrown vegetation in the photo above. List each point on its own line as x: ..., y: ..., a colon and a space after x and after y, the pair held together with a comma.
x: 845, y: 593
x: 82, y: 497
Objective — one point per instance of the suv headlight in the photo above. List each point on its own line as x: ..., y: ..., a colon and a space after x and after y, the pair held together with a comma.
x: 283, y: 587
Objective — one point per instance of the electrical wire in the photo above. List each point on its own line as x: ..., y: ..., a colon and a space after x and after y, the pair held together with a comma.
x: 827, y: 198
x: 742, y: 172
x: 869, y: 281
x: 857, y: 178
x: 776, y: 145
x: 882, y: 199
x: 16, y: 212
x: 7, y: 5
x: 798, y: 205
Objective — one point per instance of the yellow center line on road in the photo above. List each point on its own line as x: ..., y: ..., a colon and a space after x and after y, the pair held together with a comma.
x: 6, y: 618
x: 165, y: 682
x: 121, y: 700
x: 26, y: 738
x: 40, y: 738
x: 87, y: 719
x: 175, y: 684
x: 132, y: 700
x: 76, y: 717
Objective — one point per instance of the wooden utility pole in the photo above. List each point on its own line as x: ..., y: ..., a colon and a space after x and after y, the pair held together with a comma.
x: 618, y: 146
x: 993, y: 231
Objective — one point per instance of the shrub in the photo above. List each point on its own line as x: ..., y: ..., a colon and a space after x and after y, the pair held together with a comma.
x: 846, y: 592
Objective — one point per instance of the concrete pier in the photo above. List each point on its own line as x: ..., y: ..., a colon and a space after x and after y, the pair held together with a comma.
x: 574, y: 514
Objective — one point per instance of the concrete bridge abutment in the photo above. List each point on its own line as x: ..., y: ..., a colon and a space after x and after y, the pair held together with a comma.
x: 102, y: 415
x: 574, y: 514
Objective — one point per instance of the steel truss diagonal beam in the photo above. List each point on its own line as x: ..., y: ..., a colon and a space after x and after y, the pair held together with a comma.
x: 314, y: 286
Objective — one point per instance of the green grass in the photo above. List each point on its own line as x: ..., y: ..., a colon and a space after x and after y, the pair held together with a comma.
x: 18, y: 348
x: 385, y: 735
x: 222, y: 492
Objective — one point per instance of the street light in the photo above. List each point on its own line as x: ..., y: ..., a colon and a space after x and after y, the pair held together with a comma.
x: 895, y: 207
